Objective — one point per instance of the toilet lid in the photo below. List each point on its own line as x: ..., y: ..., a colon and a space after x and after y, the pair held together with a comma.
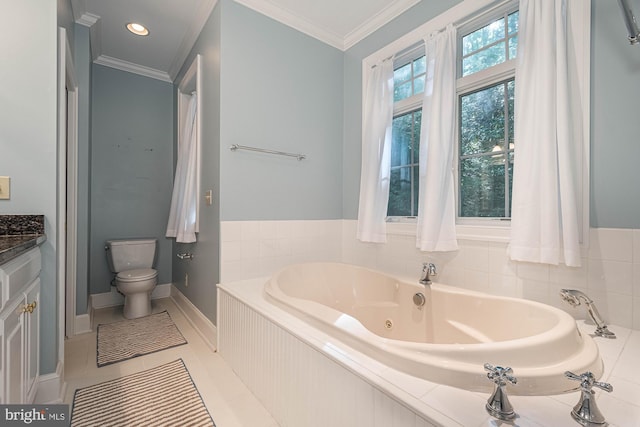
x: 138, y: 274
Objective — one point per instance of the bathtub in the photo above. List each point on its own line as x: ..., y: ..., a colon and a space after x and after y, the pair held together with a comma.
x: 449, y: 338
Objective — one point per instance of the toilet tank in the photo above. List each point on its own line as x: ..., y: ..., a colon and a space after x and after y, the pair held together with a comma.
x: 130, y: 254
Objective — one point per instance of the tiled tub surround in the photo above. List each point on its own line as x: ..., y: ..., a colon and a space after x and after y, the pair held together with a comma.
x: 19, y: 233
x: 610, y: 272
x: 305, y: 377
x: 259, y: 248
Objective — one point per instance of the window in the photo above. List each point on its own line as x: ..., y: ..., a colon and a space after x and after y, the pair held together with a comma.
x: 483, y: 168
x: 486, y: 95
x: 485, y: 102
x: 408, y: 82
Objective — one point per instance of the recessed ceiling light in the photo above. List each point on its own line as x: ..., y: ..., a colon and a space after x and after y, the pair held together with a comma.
x: 137, y: 29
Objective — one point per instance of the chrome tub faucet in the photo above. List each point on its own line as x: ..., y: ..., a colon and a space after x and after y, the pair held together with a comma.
x: 575, y: 297
x: 498, y: 405
x: 428, y: 272
x: 586, y: 412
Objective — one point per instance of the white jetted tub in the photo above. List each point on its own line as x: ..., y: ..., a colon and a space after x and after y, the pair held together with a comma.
x: 448, y: 339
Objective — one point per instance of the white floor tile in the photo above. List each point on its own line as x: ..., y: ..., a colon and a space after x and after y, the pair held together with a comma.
x: 227, y: 399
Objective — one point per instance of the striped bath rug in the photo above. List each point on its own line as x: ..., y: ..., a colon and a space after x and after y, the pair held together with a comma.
x: 132, y: 338
x: 162, y: 396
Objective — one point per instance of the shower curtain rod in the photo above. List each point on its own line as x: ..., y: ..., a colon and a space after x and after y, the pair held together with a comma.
x: 235, y: 147
x: 630, y: 21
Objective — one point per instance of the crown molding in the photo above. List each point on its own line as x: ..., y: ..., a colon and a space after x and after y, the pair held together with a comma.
x: 88, y: 19
x: 94, y: 23
x: 392, y: 11
x: 294, y: 21
x: 130, y: 67
x: 190, y: 38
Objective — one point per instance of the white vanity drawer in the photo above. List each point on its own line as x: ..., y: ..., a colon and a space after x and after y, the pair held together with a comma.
x: 18, y: 273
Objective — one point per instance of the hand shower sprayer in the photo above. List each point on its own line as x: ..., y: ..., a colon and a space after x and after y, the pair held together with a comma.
x: 575, y: 297
x: 630, y: 22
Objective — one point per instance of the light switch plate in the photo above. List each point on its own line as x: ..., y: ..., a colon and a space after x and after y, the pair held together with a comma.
x: 5, y: 188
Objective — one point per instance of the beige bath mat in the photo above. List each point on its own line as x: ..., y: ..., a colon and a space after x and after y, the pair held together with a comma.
x: 132, y: 338
x: 162, y: 396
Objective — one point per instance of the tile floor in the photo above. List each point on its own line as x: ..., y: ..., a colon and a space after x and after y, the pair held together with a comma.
x: 229, y: 402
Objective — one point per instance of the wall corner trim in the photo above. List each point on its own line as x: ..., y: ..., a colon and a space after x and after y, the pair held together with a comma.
x: 82, y: 323
x: 51, y: 388
x: 203, y: 326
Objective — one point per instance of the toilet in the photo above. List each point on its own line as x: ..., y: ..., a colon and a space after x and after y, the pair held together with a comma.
x: 133, y: 260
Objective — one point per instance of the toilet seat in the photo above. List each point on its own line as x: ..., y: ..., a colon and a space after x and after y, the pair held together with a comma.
x: 136, y: 275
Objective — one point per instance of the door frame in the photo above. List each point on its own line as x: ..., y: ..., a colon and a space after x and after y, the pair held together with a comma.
x: 67, y: 189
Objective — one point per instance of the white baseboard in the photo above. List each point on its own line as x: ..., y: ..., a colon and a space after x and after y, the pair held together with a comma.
x: 203, y: 326
x: 114, y: 298
x: 51, y: 387
x: 82, y: 323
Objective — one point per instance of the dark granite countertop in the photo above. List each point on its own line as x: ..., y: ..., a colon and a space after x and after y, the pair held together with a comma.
x: 14, y: 246
x: 19, y: 233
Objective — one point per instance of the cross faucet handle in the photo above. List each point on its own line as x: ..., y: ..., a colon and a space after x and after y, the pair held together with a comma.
x: 429, y: 267
x: 428, y: 272
x: 586, y: 411
x: 588, y: 381
x: 498, y: 405
x: 500, y: 375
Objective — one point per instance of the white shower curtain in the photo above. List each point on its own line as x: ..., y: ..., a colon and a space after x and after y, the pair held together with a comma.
x: 183, y: 216
x: 376, y: 154
x: 436, y: 204
x: 544, y: 224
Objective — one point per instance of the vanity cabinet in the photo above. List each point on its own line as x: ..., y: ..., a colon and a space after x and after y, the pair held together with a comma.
x: 20, y: 328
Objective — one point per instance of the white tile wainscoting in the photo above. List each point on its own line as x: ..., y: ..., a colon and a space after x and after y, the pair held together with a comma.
x: 610, y: 272
x: 259, y: 248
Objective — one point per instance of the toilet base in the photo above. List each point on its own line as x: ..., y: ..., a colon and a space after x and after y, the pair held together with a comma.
x: 137, y: 305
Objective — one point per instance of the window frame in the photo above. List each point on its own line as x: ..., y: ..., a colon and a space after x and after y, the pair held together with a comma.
x: 408, y: 105
x: 460, y: 15
x: 475, y: 82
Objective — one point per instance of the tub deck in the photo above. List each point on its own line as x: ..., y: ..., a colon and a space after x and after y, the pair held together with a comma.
x: 391, y: 395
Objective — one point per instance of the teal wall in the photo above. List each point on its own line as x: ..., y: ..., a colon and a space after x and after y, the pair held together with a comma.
x: 280, y: 90
x: 131, y: 166
x: 28, y: 140
x: 615, y: 127
x: 204, y: 270
x: 82, y: 64
x: 269, y: 86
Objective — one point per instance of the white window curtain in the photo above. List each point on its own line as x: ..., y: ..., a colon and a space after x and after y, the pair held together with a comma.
x: 376, y: 154
x: 183, y: 216
x: 544, y: 224
x: 436, y: 205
